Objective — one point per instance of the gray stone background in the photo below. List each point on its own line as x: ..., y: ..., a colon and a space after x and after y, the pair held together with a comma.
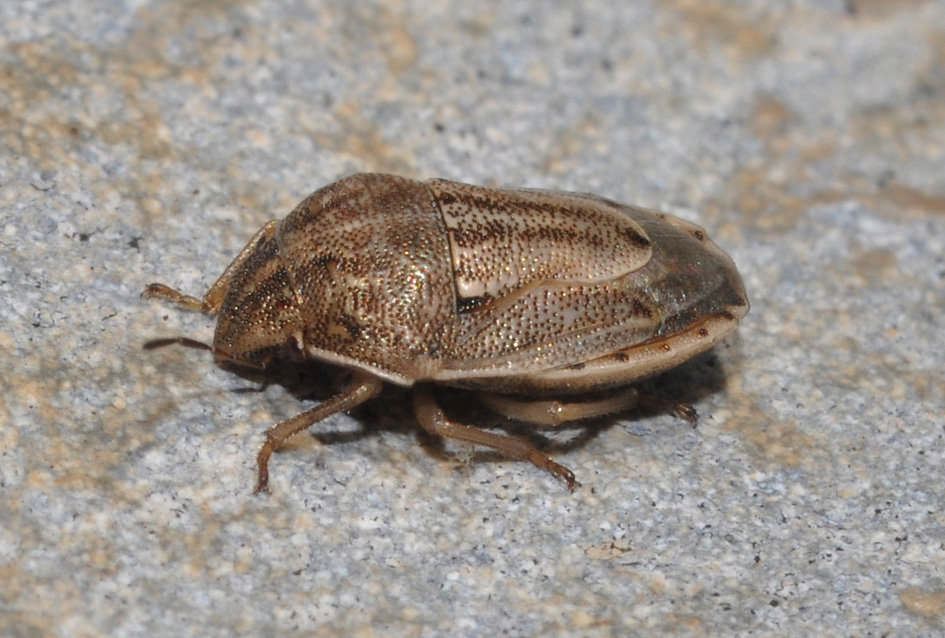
x: 146, y: 141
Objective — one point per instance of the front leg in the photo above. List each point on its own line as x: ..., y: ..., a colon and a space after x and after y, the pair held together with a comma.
x: 211, y: 302
x: 364, y: 387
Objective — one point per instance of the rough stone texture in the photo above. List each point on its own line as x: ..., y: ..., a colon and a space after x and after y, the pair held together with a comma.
x: 147, y: 141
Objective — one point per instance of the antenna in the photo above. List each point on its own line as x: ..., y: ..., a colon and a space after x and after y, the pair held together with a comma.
x: 187, y: 342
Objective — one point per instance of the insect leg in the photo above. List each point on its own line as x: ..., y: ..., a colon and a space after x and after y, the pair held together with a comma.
x: 210, y: 304
x: 552, y: 412
x: 364, y: 387
x: 433, y: 420
x: 679, y: 410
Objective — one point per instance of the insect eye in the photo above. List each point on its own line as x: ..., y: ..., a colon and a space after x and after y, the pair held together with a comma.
x: 294, y: 348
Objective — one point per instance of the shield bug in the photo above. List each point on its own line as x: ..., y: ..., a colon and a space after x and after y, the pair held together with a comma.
x: 546, y: 303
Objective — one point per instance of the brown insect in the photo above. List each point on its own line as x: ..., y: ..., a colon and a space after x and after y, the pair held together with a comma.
x: 539, y: 300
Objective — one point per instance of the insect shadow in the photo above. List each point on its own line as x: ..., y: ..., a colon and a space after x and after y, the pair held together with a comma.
x: 671, y: 392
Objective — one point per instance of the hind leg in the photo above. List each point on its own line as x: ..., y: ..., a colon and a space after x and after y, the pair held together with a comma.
x: 552, y: 412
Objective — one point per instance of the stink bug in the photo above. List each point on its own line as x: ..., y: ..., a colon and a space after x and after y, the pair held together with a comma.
x: 546, y: 303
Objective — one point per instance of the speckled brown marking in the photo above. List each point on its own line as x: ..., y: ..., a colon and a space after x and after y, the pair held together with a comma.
x: 516, y: 293
x: 504, y: 240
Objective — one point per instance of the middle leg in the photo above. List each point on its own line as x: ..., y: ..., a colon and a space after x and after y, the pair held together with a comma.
x: 434, y: 420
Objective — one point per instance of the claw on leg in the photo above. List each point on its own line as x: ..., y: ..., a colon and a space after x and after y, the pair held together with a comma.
x: 364, y: 387
x: 433, y: 420
x: 211, y: 302
x: 179, y: 299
